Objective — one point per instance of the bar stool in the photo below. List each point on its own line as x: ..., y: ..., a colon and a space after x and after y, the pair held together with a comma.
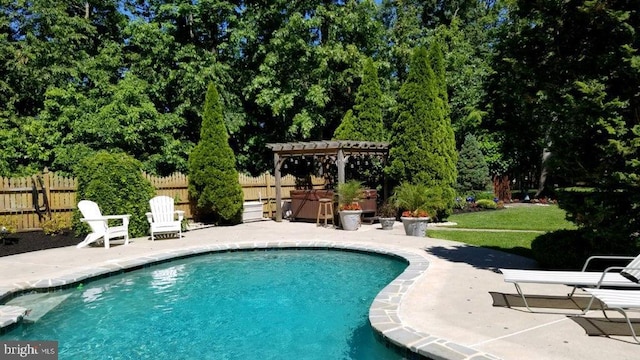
x: 325, y: 211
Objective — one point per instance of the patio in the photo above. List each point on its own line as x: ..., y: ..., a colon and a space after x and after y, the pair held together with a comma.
x: 442, y: 307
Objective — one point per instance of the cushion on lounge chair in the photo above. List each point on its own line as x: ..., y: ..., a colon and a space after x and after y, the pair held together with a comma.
x: 633, y: 271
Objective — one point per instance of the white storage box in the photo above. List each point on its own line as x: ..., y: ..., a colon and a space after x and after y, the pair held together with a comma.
x: 252, y: 211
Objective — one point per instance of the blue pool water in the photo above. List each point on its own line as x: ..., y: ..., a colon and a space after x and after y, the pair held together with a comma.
x: 285, y: 304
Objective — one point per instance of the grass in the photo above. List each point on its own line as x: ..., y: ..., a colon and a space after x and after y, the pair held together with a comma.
x: 528, y: 221
x: 533, y: 217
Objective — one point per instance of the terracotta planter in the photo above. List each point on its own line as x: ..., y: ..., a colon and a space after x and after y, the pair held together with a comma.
x: 387, y: 223
x: 415, y: 226
x: 350, y: 219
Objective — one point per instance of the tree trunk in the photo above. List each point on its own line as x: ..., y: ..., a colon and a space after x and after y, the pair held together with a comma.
x: 544, y: 171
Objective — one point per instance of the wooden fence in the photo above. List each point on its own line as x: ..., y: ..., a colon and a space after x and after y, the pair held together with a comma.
x: 27, y: 202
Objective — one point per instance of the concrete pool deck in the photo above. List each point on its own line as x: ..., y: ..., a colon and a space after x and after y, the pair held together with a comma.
x: 449, y: 303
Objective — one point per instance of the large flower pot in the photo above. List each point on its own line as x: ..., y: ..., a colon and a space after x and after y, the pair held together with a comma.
x: 350, y: 219
x: 387, y: 223
x: 415, y: 226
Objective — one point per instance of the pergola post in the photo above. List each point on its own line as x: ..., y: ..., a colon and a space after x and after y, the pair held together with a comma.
x: 340, y: 162
x: 278, y: 176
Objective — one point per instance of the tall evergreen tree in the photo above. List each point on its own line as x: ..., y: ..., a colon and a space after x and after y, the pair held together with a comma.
x: 445, y: 156
x: 419, y: 134
x: 368, y: 106
x: 213, y: 178
x: 422, y: 148
x: 473, y: 172
x: 364, y: 122
x: 347, y: 128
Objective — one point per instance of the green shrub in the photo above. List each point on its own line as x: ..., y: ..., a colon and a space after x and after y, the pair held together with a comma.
x: 7, y: 224
x: 115, y: 182
x: 473, y: 171
x: 484, y: 195
x: 569, y: 249
x: 441, y: 202
x: 213, y: 177
x: 54, y: 226
x: 486, y: 204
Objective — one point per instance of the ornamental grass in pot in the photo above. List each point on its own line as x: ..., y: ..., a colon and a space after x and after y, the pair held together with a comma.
x: 413, y: 200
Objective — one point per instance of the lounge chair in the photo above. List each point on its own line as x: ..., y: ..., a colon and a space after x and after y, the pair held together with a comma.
x: 99, y: 225
x: 614, y: 276
x: 619, y: 300
x: 163, y: 219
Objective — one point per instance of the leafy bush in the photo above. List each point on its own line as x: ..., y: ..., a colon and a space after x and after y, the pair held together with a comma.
x: 441, y: 202
x: 569, y: 249
x: 486, y: 204
x: 54, y: 226
x: 609, y: 218
x: 563, y: 249
x: 7, y: 224
x: 484, y: 195
x: 115, y: 182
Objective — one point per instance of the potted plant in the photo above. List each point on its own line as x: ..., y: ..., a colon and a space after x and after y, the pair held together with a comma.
x: 413, y: 199
x: 349, y: 208
x: 387, y: 213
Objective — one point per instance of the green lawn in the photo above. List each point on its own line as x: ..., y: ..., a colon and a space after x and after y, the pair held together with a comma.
x: 530, y: 221
x: 533, y: 217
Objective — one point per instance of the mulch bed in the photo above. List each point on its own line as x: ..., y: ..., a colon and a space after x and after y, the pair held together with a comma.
x: 22, y: 242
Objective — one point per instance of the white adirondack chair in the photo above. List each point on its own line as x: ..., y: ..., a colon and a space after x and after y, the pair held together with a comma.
x: 163, y: 219
x: 99, y: 225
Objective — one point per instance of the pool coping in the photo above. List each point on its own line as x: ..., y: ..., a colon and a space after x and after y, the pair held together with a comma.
x: 384, y: 312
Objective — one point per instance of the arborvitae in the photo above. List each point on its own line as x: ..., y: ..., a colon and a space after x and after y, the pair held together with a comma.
x: 436, y: 59
x: 422, y: 148
x: 347, y: 128
x: 473, y: 171
x: 412, y: 143
x: 368, y: 109
x: 213, y: 177
x: 365, y: 122
x: 444, y: 137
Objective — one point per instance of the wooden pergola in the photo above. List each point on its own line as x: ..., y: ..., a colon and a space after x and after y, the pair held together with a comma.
x: 339, y: 151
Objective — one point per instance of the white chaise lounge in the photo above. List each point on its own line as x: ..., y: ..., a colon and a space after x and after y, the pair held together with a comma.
x: 619, y: 300
x: 614, y: 276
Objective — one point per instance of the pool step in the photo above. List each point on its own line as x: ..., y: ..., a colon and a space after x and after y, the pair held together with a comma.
x: 11, y: 314
x: 39, y: 304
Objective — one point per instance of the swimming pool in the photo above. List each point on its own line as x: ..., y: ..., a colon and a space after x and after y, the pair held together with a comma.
x: 285, y: 304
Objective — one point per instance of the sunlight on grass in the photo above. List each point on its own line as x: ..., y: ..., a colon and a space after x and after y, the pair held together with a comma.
x: 532, y: 217
x: 518, y: 243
